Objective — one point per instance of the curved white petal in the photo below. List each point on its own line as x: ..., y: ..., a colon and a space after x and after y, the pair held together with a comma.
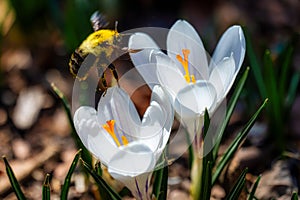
x: 141, y: 59
x: 137, y: 185
x: 169, y: 76
x: 92, y: 136
x: 193, y: 99
x: 132, y: 165
x: 162, y: 97
x: 232, y: 43
x: 117, y: 105
x: 183, y: 36
x: 222, y: 77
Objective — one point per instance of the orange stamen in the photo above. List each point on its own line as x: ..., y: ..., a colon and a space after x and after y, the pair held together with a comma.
x: 109, y: 127
x: 185, y: 64
x: 124, y: 140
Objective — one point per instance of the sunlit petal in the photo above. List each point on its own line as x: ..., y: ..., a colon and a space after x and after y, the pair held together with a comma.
x: 170, y: 77
x: 195, y: 98
x: 117, y: 105
x: 232, y: 43
x: 222, y: 76
x: 183, y: 36
x: 145, y: 46
x: 92, y: 135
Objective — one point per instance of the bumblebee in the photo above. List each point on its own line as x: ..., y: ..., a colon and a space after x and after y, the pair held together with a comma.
x: 100, y: 47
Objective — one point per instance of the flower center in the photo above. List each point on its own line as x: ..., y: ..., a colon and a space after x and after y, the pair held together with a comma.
x: 110, y: 128
x: 185, y: 64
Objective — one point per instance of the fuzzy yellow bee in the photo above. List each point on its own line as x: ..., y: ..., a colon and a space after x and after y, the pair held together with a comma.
x: 100, y: 46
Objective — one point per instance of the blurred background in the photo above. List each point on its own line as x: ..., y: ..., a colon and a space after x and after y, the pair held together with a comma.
x: 38, y: 37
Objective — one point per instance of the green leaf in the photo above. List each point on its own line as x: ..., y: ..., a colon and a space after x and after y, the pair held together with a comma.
x: 292, y: 90
x: 190, y: 151
x: 66, y: 186
x: 236, y: 143
x: 238, y: 186
x: 86, y: 156
x: 254, y: 187
x: 255, y: 65
x: 284, y: 72
x: 202, y: 183
x: 207, y: 161
x: 294, y: 196
x: 160, y: 185
x: 46, y: 188
x: 231, y: 105
x: 275, y: 109
x: 206, y: 181
x: 13, y: 180
x: 113, y: 195
x: 272, y: 88
x: 98, y: 168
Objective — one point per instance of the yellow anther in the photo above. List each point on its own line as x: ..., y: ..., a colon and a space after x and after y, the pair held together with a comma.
x: 193, y: 79
x: 109, y: 127
x: 187, y: 78
x: 124, y: 140
x: 185, y: 64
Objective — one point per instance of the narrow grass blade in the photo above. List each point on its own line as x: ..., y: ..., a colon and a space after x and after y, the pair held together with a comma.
x: 86, y: 156
x: 203, y: 177
x: 284, y: 72
x: 254, y: 187
x: 13, y: 180
x: 294, y: 196
x: 231, y: 106
x: 272, y: 87
x: 255, y: 65
x: 160, y: 185
x: 113, y: 195
x: 292, y: 90
x: 236, y: 143
x: 207, y: 161
x: 275, y: 109
x: 238, y: 186
x: 206, y: 183
x: 98, y: 168
x: 66, y: 186
x: 46, y: 188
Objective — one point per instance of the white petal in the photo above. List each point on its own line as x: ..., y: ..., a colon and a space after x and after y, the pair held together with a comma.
x: 137, y: 185
x: 152, y: 129
x: 233, y: 43
x: 162, y: 97
x: 132, y: 160
x: 193, y: 99
x: 117, y: 105
x: 222, y: 77
x: 141, y: 59
x: 139, y: 41
x: 183, y: 36
x: 89, y: 131
x: 132, y: 166
x: 169, y: 75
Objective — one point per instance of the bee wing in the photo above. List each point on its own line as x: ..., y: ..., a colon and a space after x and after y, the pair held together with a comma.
x: 98, y: 21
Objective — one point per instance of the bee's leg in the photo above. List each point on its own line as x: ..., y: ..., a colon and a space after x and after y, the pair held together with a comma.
x: 102, y: 85
x: 114, y: 72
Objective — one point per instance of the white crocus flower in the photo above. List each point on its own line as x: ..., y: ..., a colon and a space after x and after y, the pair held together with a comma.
x: 130, y: 147
x: 192, y: 81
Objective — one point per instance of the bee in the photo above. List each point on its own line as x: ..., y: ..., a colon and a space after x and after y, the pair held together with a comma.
x: 100, y: 46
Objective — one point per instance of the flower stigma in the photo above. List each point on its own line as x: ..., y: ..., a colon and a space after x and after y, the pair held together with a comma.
x: 185, y: 64
x: 109, y: 127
